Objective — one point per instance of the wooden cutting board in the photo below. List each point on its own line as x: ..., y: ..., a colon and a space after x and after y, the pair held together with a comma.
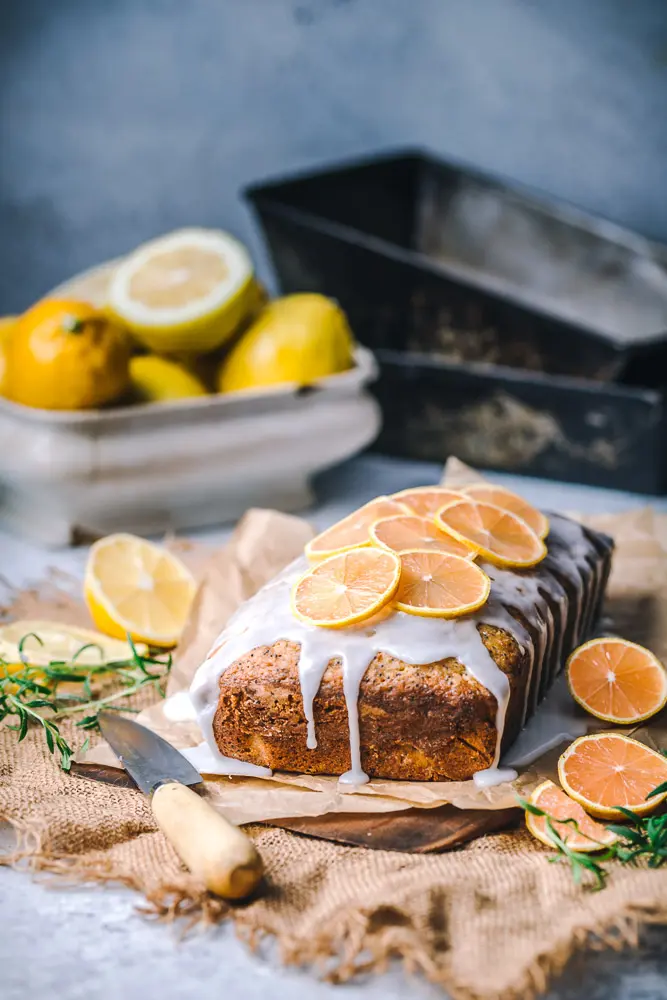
x: 415, y: 831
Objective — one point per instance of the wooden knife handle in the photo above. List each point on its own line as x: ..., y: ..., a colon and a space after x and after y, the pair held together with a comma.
x: 212, y: 848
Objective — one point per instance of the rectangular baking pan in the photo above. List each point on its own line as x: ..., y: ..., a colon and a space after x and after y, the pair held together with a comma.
x: 463, y: 282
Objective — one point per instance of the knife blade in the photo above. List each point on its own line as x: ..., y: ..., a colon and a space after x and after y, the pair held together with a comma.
x: 214, y: 850
x: 148, y: 758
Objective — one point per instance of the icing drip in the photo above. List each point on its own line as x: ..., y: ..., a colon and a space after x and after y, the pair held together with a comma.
x: 540, y: 596
x: 352, y: 676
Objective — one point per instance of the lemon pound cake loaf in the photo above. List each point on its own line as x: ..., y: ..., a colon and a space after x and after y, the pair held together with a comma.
x: 412, y: 641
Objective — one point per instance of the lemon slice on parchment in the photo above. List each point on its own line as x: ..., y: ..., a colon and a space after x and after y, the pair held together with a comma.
x: 133, y: 586
x: 39, y: 643
x: 187, y: 291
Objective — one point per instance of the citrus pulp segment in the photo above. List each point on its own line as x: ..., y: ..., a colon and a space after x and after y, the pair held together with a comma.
x: 440, y: 585
x: 606, y: 770
x: 496, y: 534
x: 617, y: 680
x: 346, y: 588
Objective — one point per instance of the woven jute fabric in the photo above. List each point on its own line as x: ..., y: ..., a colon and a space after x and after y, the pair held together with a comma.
x: 493, y: 920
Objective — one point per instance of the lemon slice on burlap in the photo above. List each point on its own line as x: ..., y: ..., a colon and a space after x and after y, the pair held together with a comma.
x: 40, y: 643
x: 187, y: 291
x: 133, y: 586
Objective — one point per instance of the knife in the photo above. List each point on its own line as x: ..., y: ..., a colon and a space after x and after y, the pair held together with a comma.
x: 214, y: 850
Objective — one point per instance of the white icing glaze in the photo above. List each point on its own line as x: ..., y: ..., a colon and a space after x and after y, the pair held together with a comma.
x: 179, y: 708
x: 206, y: 762
x: 267, y: 618
x: 494, y: 776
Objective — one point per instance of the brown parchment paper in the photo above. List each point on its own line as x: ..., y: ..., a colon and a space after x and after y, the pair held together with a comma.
x: 264, y: 542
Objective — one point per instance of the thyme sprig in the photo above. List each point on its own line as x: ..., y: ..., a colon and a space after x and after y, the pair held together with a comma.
x: 41, y: 695
x: 642, y: 837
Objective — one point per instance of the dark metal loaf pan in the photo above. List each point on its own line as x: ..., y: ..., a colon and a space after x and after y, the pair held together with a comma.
x: 467, y: 287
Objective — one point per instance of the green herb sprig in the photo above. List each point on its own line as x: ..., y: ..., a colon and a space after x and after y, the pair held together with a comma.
x: 642, y: 837
x: 33, y: 694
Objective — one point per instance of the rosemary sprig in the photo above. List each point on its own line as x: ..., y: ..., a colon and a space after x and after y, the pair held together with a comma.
x: 33, y: 694
x: 642, y: 837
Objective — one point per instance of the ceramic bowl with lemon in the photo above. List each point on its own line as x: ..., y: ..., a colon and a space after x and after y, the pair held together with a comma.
x: 164, y: 391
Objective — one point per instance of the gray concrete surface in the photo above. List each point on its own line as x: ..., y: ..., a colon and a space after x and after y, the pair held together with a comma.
x: 90, y: 944
x: 83, y: 943
x: 120, y: 119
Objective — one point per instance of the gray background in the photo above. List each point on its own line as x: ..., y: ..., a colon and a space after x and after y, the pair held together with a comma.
x: 121, y: 119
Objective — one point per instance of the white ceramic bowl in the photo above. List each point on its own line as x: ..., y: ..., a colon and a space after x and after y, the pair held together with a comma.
x: 154, y: 467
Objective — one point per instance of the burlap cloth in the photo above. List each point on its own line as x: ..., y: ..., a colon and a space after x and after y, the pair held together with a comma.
x: 494, y: 919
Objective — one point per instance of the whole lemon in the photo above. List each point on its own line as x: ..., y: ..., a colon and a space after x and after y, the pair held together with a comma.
x: 298, y: 338
x: 155, y: 379
x: 66, y: 355
x: 7, y: 324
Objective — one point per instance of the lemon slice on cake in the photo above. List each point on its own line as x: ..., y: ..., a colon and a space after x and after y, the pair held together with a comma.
x: 187, y: 291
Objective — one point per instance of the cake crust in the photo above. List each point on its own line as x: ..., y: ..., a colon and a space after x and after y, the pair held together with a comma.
x: 431, y: 722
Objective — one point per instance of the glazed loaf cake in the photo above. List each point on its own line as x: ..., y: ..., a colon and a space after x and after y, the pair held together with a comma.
x: 439, y: 702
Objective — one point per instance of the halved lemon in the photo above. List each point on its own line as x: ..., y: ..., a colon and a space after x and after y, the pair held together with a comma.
x: 187, y: 291
x: 606, y: 770
x: 426, y: 501
x: 346, y: 588
x: 496, y: 534
x: 39, y: 643
x: 440, y: 585
x: 586, y: 836
x: 405, y: 532
x: 353, y: 530
x: 501, y: 497
x: 133, y: 586
x: 617, y: 680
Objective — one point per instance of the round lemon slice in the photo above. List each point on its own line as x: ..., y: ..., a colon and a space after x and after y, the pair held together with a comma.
x: 346, y: 588
x: 582, y: 835
x: 608, y: 772
x: 134, y: 587
x: 187, y: 291
x: 40, y: 643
